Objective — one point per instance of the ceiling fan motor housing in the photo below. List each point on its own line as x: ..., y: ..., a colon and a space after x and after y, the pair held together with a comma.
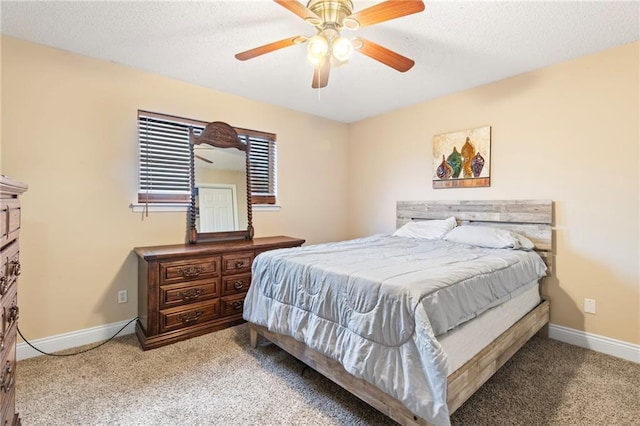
x: 332, y: 13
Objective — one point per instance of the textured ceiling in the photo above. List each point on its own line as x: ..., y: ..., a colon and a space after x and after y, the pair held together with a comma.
x: 456, y: 45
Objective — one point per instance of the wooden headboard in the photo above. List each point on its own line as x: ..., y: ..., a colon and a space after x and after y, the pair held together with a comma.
x: 531, y: 218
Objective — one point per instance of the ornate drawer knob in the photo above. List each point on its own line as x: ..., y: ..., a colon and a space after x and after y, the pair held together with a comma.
x: 7, y: 379
x: 237, y: 305
x: 189, y: 317
x: 191, y: 271
x: 14, y: 313
x: 239, y: 263
x: 16, y: 267
x: 191, y: 294
x: 238, y: 285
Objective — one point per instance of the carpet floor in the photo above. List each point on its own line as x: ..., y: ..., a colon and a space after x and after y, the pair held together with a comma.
x: 218, y: 379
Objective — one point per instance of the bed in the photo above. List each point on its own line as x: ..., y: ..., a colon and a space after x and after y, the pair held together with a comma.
x: 375, y: 315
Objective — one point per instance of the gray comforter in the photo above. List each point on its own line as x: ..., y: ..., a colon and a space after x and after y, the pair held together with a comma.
x: 376, y: 305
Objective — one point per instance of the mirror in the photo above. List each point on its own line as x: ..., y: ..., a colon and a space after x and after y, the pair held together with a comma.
x: 220, y: 195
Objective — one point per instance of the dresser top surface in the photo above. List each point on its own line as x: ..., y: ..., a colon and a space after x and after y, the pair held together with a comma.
x: 203, y: 249
x: 9, y: 186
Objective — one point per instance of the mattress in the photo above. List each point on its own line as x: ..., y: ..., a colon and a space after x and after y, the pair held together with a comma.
x: 467, y: 340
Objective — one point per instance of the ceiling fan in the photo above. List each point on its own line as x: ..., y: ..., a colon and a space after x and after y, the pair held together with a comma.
x: 200, y: 157
x: 328, y: 48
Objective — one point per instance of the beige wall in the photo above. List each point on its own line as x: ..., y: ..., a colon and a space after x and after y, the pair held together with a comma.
x: 569, y: 133
x: 69, y: 131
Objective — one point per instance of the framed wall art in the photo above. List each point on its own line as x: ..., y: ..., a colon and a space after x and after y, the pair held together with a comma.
x: 462, y: 159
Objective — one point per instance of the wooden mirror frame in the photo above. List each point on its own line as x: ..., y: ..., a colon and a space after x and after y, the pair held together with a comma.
x: 220, y: 135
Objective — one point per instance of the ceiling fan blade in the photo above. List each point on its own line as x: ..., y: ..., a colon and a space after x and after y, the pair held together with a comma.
x: 206, y: 160
x: 276, y: 45
x: 300, y: 10
x: 321, y: 75
x: 384, y: 55
x: 387, y: 10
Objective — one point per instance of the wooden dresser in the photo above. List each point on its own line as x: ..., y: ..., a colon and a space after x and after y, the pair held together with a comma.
x: 9, y: 272
x: 188, y: 290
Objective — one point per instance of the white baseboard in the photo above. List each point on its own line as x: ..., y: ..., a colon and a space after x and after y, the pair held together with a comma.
x: 606, y: 345
x: 73, y: 339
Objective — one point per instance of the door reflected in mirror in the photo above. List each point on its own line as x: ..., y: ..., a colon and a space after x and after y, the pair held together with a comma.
x: 221, y: 188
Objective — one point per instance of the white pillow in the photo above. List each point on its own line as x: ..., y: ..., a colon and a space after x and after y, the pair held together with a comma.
x: 525, y: 243
x: 486, y: 236
x: 426, y: 229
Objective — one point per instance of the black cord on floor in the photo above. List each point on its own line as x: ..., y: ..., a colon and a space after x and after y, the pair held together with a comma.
x: 82, y: 351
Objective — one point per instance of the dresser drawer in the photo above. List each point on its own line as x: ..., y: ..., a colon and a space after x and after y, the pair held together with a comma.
x: 186, y: 270
x: 9, y: 267
x: 185, y: 316
x: 231, y: 305
x: 8, y: 378
x: 235, y: 284
x: 189, y: 292
x: 9, y: 220
x: 9, y: 313
x: 9, y: 410
x: 237, y: 263
x: 4, y: 222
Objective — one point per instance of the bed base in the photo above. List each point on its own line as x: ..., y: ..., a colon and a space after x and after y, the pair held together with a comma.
x: 461, y: 384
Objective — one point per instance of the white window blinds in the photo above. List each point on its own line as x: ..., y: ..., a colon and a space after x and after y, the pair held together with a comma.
x: 262, y: 163
x: 164, y: 159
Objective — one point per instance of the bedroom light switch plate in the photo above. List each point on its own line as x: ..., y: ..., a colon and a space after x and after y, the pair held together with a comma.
x: 590, y: 306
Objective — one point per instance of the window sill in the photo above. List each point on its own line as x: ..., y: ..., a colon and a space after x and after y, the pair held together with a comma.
x: 266, y: 208
x: 140, y: 208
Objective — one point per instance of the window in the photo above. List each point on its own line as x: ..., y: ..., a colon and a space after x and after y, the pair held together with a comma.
x: 164, y: 163
x: 163, y: 158
x: 262, y: 165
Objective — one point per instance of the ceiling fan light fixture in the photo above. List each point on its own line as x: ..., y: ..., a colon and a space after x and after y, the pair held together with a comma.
x: 341, y: 48
x: 317, y: 49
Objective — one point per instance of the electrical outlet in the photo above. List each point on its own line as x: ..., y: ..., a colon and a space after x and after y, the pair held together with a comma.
x: 122, y: 296
x: 590, y: 306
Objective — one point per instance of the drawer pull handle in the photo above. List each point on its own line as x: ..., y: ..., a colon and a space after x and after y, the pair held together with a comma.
x: 7, y: 379
x: 14, y: 313
x: 5, y: 326
x: 189, y: 317
x: 191, y: 294
x: 238, y: 285
x: 3, y: 285
x: 239, y: 263
x: 191, y: 271
x: 16, y: 267
x: 237, y: 305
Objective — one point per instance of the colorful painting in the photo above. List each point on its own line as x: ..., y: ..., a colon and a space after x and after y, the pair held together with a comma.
x: 462, y: 159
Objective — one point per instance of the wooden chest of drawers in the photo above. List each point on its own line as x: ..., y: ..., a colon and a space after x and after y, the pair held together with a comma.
x: 10, y: 269
x: 188, y: 290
